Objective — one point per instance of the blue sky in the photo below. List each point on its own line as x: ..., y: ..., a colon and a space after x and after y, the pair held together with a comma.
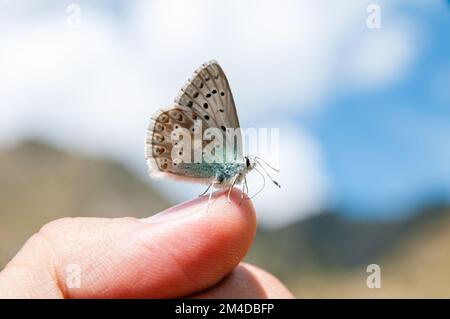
x: 389, y: 149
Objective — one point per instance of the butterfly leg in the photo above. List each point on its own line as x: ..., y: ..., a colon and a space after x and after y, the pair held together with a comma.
x: 211, y: 188
x: 244, y: 190
x: 246, y: 187
x: 207, y: 189
x: 229, y: 194
x: 231, y: 188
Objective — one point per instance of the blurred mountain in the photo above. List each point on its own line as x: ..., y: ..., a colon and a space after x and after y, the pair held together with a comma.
x: 330, y: 241
x: 327, y: 255
x: 39, y: 183
x: 323, y: 256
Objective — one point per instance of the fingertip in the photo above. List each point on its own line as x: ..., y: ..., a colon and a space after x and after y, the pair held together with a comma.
x: 224, y: 211
x: 199, y: 244
x: 235, y: 205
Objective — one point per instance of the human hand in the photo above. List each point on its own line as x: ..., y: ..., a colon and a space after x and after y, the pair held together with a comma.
x: 182, y: 252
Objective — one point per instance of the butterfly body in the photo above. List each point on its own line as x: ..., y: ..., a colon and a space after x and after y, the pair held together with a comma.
x: 222, y: 174
x: 220, y: 171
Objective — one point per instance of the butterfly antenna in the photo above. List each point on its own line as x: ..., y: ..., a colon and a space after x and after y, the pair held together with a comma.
x: 268, y: 165
x: 267, y: 173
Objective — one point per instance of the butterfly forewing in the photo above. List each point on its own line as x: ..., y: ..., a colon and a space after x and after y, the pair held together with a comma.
x: 209, y: 93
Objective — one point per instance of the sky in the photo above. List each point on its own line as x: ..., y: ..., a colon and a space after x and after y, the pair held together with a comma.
x: 362, y: 105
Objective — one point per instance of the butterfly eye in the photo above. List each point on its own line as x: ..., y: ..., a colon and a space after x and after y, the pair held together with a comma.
x: 195, y: 95
x: 164, y: 166
x: 206, y: 117
x: 214, y: 91
x: 205, y: 105
x: 222, y: 93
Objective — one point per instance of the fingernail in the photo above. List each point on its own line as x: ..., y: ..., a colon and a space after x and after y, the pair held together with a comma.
x: 183, y: 210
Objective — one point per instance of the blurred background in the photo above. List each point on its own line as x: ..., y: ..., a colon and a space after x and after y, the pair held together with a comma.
x: 359, y: 91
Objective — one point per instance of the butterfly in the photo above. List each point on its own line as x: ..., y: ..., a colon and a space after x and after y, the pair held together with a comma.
x: 205, y: 105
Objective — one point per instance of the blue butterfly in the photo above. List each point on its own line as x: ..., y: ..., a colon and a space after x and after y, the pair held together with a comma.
x: 204, y: 106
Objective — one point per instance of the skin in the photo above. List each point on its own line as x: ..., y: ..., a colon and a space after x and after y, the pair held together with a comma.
x: 181, y: 252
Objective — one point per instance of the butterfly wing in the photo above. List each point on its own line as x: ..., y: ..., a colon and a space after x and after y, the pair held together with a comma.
x: 209, y: 92
x: 207, y: 98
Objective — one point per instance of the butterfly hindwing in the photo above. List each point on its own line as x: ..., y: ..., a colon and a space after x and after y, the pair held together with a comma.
x: 161, y: 144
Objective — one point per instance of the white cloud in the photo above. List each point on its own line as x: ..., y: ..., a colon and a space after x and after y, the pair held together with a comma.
x: 302, y: 177
x: 281, y: 54
x: 290, y: 54
x: 78, y: 88
x: 383, y: 56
